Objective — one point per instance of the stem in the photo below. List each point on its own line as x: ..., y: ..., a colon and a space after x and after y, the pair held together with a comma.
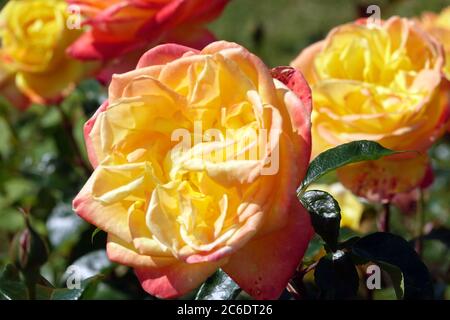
x: 384, y: 224
x: 421, y: 223
x: 68, y: 129
x: 31, y: 277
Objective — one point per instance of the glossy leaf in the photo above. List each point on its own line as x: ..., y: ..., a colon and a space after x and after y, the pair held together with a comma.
x: 76, y: 293
x: 386, y: 248
x: 343, y: 155
x: 325, y: 215
x: 336, y: 276
x: 11, y: 286
x: 218, y: 287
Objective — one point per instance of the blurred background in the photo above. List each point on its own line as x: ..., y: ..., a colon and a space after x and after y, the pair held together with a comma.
x: 41, y: 171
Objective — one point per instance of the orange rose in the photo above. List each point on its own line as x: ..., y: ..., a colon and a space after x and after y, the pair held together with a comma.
x: 438, y: 25
x: 120, y: 26
x: 222, y: 197
x: 381, y: 83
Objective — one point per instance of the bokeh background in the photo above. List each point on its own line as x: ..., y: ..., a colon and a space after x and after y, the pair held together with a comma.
x: 41, y: 171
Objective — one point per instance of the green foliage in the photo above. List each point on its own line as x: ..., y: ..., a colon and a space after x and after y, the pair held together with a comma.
x: 336, y: 276
x: 343, y: 155
x: 11, y: 286
x: 75, y: 294
x: 392, y: 250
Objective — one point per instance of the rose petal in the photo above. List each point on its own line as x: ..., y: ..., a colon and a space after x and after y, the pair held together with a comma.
x: 175, y: 280
x: 163, y: 54
x: 110, y: 218
x: 87, y: 131
x: 122, y: 252
x: 264, y: 266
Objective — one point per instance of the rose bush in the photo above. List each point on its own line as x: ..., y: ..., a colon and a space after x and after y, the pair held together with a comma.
x: 177, y: 214
x: 34, y: 39
x: 382, y: 83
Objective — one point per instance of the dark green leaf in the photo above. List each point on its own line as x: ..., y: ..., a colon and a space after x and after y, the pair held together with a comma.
x: 325, y: 215
x: 76, y: 293
x: 336, y: 276
x: 348, y: 243
x: 390, y: 249
x: 342, y: 155
x: 218, y: 287
x: 11, y: 286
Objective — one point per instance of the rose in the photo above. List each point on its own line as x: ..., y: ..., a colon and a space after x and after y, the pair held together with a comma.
x: 382, y: 83
x: 34, y: 39
x: 121, y: 26
x: 177, y: 214
x: 438, y: 25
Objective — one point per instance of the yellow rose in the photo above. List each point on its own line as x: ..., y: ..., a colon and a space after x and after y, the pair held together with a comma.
x: 197, y: 157
x: 438, y: 25
x: 34, y: 39
x: 351, y: 207
x: 382, y: 83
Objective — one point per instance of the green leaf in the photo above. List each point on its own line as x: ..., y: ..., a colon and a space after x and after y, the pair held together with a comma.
x: 325, y: 215
x: 388, y: 249
x: 314, y: 247
x: 218, y: 287
x: 77, y: 293
x: 90, y: 264
x: 342, y: 155
x: 11, y: 286
x: 336, y: 276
